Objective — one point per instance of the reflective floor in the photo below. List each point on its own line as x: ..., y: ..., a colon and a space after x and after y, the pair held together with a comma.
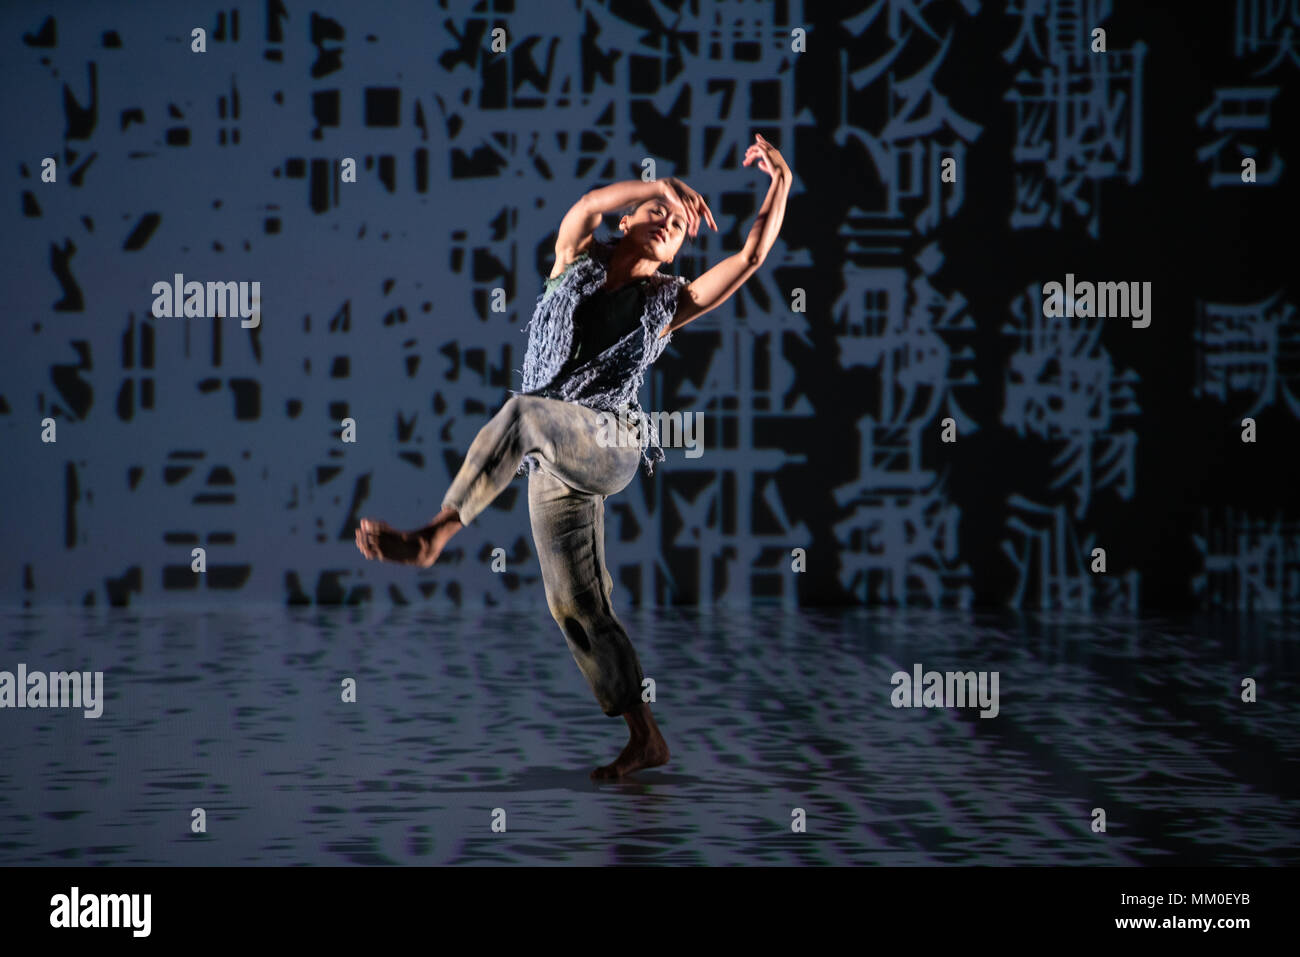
x: 241, y: 714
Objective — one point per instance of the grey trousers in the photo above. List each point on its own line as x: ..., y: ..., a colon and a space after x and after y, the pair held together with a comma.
x: 566, y: 507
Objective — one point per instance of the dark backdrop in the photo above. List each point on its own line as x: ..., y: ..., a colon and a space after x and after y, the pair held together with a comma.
x: 822, y: 428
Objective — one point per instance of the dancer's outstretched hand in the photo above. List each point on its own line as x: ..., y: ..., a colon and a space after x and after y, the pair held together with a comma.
x: 769, y: 159
x: 692, y: 202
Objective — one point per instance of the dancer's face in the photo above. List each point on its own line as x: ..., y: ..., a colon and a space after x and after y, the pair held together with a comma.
x: 656, y: 229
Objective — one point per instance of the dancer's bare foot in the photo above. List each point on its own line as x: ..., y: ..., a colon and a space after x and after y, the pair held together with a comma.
x: 380, y: 540
x: 637, y: 755
x: 646, y: 749
x: 377, y: 539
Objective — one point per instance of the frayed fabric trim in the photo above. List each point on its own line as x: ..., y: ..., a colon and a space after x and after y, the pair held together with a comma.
x: 610, y: 381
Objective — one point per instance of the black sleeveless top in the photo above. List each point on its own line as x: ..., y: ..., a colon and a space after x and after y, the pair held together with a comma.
x: 601, y: 320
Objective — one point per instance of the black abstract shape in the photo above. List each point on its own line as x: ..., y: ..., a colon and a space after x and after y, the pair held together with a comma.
x: 60, y: 257
x: 219, y: 34
x: 78, y: 175
x: 44, y: 37
x: 470, y: 43
x: 324, y: 110
x: 248, y: 399
x: 71, y: 495
x: 360, y: 492
x: 144, y: 229
x: 229, y: 577
x: 421, y: 170
x: 81, y: 119
x: 76, y: 391
x: 383, y: 105
x: 120, y: 588
x: 329, y: 589
x: 327, y: 61
x: 405, y: 427
x: 179, y: 578
x: 296, y: 596
x: 126, y: 401
x: 275, y: 12
x: 341, y: 321
x: 321, y: 180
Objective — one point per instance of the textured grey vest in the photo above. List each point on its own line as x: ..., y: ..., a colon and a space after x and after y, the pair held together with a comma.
x: 611, y: 380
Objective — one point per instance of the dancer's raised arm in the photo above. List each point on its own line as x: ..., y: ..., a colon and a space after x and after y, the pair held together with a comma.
x: 716, y: 286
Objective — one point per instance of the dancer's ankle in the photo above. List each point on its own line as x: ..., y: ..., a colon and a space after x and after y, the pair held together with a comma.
x: 434, y: 536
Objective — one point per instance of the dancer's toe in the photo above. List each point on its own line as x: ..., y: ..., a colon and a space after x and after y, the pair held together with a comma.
x: 380, y: 540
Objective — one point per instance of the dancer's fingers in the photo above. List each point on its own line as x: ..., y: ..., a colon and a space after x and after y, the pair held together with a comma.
x: 708, y: 214
x: 673, y: 198
x: 688, y: 210
x: 697, y: 209
x: 367, y: 538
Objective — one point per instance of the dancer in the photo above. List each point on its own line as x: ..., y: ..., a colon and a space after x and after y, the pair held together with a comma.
x: 576, y: 428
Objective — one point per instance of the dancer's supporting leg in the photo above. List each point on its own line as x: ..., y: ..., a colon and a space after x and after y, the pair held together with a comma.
x: 569, y: 532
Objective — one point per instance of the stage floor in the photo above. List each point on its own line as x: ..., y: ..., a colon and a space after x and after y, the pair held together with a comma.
x: 240, y: 713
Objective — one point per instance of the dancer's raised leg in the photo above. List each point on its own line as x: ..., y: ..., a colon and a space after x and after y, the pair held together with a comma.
x: 569, y: 438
